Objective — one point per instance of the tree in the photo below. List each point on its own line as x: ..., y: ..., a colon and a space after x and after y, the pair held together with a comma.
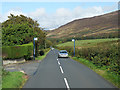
x: 48, y: 43
x: 19, y: 30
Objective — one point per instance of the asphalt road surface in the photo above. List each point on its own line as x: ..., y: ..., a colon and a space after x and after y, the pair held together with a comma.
x: 54, y: 72
x: 28, y: 67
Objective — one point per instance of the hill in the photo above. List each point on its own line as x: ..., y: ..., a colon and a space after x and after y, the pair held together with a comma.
x: 94, y: 27
x: 89, y: 43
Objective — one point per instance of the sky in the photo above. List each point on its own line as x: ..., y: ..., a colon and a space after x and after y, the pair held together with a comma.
x: 51, y: 15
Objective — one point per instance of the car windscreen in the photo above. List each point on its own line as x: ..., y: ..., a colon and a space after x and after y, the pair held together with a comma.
x: 63, y: 51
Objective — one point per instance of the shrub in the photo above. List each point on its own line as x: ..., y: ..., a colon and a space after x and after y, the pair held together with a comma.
x: 41, y: 53
x: 46, y: 50
x: 27, y: 57
x: 101, y: 55
x: 15, y: 52
x: 4, y: 72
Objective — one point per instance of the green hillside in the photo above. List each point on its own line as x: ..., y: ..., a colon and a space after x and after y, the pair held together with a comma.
x: 88, y: 43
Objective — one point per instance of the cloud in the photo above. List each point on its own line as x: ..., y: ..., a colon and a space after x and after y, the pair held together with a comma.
x: 63, y: 12
x: 12, y: 11
x: 87, y: 12
x: 40, y: 12
x: 61, y: 16
x: 64, y: 15
x: 15, y: 13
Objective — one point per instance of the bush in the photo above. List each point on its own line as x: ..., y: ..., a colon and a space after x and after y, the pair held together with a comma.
x: 15, y: 52
x: 4, y: 72
x: 27, y: 57
x: 41, y: 53
x: 101, y: 55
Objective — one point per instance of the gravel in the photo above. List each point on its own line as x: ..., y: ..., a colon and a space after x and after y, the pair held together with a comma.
x: 28, y: 67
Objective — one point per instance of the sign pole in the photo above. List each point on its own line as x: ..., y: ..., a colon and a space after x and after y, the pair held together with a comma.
x: 34, y: 49
x: 74, y: 47
x: 34, y: 39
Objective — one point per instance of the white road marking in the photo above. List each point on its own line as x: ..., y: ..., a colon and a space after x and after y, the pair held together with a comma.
x: 57, y: 59
x: 61, y: 69
x: 66, y: 84
x: 58, y: 62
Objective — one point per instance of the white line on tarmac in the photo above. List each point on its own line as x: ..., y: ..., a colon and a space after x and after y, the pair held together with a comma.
x: 58, y: 62
x: 61, y: 69
x: 66, y: 84
x: 57, y: 59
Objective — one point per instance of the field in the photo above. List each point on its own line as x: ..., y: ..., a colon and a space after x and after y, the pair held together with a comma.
x: 102, y: 53
x: 87, y: 43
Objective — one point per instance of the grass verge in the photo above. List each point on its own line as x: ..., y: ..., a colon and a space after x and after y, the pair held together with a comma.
x: 42, y: 57
x: 13, y: 80
x: 111, y: 77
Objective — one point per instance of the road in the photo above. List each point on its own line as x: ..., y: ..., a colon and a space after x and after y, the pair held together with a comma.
x: 54, y: 72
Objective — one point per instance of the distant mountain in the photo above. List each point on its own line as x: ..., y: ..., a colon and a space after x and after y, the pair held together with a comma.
x: 103, y: 26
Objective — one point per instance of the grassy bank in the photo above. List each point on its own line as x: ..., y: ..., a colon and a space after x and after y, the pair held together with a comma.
x: 43, y: 56
x: 87, y: 43
x: 110, y: 76
x: 12, y: 79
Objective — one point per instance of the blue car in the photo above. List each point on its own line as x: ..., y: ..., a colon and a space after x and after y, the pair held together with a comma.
x: 62, y: 53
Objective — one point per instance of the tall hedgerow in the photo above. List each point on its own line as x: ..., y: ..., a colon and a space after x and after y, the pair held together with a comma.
x: 101, y: 55
x: 18, y: 51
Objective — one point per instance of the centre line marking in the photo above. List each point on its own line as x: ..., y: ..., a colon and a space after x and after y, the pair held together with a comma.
x: 58, y: 62
x: 66, y: 84
x: 61, y: 69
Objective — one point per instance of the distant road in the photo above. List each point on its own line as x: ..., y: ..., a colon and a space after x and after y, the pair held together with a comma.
x: 54, y: 72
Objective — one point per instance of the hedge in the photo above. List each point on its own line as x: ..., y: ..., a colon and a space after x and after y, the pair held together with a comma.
x: 18, y: 51
x: 101, y: 55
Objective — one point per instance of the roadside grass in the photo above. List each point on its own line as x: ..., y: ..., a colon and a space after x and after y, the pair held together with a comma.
x: 110, y: 76
x: 42, y: 57
x: 13, y: 80
x: 87, y: 43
